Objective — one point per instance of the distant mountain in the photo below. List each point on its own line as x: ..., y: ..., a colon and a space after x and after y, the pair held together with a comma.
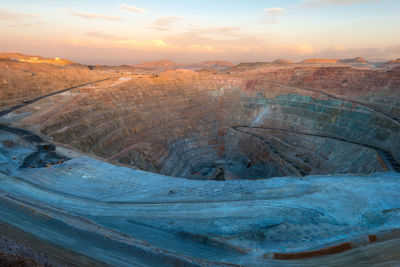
x: 35, y: 59
x: 157, y: 65
x: 215, y: 64
x: 392, y: 64
x: 357, y: 60
x: 161, y: 65
x: 282, y: 61
x: 319, y: 60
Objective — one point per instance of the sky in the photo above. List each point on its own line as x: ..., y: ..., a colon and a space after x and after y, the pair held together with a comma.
x: 132, y: 31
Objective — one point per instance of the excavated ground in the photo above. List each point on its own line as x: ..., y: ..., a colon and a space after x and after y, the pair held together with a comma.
x: 246, y: 123
x: 253, y: 124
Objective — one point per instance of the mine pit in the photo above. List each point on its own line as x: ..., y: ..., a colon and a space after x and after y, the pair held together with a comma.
x: 247, y: 164
x: 233, y: 126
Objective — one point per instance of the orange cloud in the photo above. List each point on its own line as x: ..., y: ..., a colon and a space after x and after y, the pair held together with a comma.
x: 108, y: 41
x: 302, y: 48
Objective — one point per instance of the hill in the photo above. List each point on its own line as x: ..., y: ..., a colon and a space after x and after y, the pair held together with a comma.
x: 35, y: 59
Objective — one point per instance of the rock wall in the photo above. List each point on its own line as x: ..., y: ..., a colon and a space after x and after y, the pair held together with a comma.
x: 296, y: 121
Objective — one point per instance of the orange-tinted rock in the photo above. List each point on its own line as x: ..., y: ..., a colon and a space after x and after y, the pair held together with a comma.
x: 36, y: 59
x: 162, y: 65
x: 320, y: 60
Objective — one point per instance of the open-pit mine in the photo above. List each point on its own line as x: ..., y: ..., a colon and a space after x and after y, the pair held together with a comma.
x: 207, y: 164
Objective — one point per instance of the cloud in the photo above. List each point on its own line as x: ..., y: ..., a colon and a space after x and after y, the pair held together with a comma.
x: 219, y: 32
x: 372, y: 53
x: 212, y: 37
x: 8, y: 15
x: 27, y: 24
x: 145, y: 45
x: 271, y: 15
x: 274, y: 10
x: 113, y: 41
x: 65, y: 9
x: 323, y: 3
x: 160, y: 29
x: 133, y: 9
x: 101, y: 35
x: 25, y: 15
x: 164, y: 23
x: 338, y: 48
x: 394, y: 51
x: 87, y: 15
x: 302, y: 49
x: 94, y: 16
x: 5, y: 15
x: 227, y: 30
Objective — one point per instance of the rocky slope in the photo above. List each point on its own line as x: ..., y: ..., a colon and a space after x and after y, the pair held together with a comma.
x: 357, y: 60
x: 162, y: 65
x: 269, y: 121
x: 392, y: 64
x: 21, y: 81
x: 35, y: 59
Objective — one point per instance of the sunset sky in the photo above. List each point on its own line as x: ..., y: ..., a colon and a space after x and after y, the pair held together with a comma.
x: 126, y: 32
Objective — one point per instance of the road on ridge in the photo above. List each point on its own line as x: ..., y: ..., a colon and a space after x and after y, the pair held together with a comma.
x: 370, y: 107
x: 28, y: 102
x: 386, y: 156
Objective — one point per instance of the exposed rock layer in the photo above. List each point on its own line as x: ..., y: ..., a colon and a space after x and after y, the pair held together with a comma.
x: 21, y: 81
x: 294, y: 120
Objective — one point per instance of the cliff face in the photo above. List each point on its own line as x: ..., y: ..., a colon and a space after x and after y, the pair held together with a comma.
x: 263, y: 122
